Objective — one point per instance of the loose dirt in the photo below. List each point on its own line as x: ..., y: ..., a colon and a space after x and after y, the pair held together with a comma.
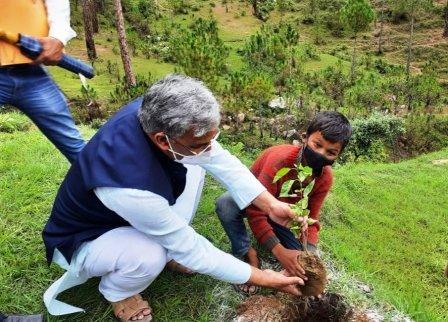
x: 316, y: 273
x: 331, y: 308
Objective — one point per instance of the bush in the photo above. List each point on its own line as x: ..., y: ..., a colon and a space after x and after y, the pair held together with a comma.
x: 123, y: 94
x: 86, y: 107
x: 14, y: 121
x: 264, y: 9
x: 180, y: 6
x: 371, y: 134
x: 424, y: 134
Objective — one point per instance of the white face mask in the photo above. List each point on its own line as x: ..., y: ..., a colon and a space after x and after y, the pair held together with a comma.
x: 198, y: 158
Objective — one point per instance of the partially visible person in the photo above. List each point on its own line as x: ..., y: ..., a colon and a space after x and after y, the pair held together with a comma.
x: 26, y: 84
x: 125, y: 206
x: 325, y: 139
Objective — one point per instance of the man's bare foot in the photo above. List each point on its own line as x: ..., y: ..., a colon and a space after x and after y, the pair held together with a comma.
x: 251, y: 258
x: 174, y: 266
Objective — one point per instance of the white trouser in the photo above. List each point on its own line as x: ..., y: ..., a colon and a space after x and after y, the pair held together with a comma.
x: 127, y: 260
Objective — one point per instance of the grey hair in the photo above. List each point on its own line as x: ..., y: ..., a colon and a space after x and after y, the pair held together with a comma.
x: 177, y: 104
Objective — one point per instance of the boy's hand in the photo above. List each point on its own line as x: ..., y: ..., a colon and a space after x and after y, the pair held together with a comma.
x: 288, y: 259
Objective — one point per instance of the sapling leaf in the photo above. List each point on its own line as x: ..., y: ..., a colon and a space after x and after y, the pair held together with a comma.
x: 311, y: 221
x: 286, y: 187
x: 296, y: 209
x: 304, y: 203
x: 308, y: 189
x: 280, y: 174
x: 295, y: 228
x: 305, y: 212
x: 307, y: 171
x: 301, y: 176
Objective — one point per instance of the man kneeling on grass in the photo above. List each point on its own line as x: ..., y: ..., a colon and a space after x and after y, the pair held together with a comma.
x: 325, y: 139
x: 124, y: 207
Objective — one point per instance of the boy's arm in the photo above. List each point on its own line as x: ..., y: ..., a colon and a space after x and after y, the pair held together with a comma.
x: 261, y: 228
x: 265, y: 170
x: 264, y: 233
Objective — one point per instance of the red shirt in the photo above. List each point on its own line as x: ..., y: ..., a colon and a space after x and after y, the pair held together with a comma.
x: 265, y: 168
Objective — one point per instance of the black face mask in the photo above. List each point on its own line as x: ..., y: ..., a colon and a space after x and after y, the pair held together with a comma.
x: 315, y: 160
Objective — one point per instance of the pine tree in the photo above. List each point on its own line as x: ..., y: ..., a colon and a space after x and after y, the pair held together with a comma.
x: 356, y: 15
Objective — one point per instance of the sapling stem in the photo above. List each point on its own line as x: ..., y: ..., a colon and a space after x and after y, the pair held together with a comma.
x: 300, y: 207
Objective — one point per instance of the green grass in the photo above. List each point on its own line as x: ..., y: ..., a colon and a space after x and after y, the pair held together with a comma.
x: 386, y: 224
x: 323, y: 62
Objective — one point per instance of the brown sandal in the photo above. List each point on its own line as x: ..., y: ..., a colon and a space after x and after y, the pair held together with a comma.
x: 124, y: 310
x: 248, y: 288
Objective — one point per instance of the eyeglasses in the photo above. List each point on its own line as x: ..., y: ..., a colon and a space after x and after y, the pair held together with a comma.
x: 194, y: 152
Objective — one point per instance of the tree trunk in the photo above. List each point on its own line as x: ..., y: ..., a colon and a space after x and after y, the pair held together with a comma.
x: 313, y: 9
x: 353, y: 69
x: 95, y: 16
x: 125, y: 57
x: 88, y: 28
x: 445, y: 17
x: 380, y: 38
x: 408, y: 62
x: 255, y: 7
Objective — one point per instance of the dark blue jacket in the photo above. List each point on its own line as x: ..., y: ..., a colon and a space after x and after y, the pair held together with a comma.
x: 119, y: 155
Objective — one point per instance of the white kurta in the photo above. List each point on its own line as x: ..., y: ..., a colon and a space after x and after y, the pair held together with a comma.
x: 58, y: 16
x: 169, y: 225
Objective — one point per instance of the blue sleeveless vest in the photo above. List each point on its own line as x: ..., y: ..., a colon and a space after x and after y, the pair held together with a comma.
x: 119, y: 155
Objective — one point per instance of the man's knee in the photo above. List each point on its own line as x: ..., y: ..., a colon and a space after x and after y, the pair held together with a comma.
x: 145, y: 260
x: 226, y: 208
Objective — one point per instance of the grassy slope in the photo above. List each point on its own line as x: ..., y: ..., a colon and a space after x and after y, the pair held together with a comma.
x: 388, y: 224
x: 31, y: 170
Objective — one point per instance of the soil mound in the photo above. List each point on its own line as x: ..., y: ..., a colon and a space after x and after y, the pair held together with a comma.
x: 331, y: 308
x: 315, y: 272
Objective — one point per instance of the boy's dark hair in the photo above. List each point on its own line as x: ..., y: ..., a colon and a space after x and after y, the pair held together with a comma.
x: 334, y: 127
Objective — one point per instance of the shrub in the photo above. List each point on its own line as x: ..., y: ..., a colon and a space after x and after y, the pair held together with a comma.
x: 86, y: 107
x: 372, y: 132
x: 14, y: 121
x: 123, y: 94
x: 424, y: 134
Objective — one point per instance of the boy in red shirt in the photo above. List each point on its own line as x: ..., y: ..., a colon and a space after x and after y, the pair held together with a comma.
x: 326, y: 137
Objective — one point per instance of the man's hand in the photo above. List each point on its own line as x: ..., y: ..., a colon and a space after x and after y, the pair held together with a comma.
x: 51, y: 53
x: 280, y: 281
x: 279, y: 212
x: 288, y: 259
